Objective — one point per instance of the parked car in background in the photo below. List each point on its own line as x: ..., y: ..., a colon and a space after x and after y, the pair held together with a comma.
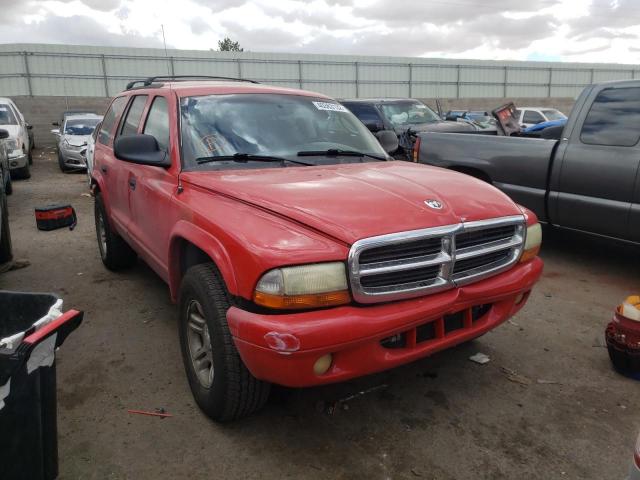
x: 5, y: 182
x: 405, y: 116
x: 298, y: 253
x: 73, y: 138
x: 529, y: 116
x: 91, y: 147
x: 586, y: 180
x: 18, y: 144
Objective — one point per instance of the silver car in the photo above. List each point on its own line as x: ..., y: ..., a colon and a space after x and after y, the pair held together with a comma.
x: 72, y: 140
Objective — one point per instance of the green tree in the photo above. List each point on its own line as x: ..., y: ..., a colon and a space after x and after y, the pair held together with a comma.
x: 228, y: 45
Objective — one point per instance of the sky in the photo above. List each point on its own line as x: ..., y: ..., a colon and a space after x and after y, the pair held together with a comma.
x: 544, y: 30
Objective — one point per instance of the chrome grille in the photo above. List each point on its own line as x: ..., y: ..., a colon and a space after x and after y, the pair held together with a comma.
x: 410, y: 264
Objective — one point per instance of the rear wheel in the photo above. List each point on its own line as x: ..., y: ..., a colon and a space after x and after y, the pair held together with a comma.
x: 6, y: 251
x: 221, y: 384
x: 115, y: 253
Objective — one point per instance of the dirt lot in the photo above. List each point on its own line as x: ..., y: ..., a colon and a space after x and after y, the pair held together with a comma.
x: 441, y: 418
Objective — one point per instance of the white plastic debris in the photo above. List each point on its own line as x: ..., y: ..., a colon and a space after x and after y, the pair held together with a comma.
x: 480, y: 358
x: 4, y: 392
x: 12, y: 342
x: 43, y: 354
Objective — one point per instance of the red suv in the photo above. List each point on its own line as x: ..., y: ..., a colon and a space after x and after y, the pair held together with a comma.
x: 298, y: 251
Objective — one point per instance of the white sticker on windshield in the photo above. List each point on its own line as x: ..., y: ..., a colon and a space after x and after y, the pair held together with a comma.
x: 420, y: 106
x: 332, y: 107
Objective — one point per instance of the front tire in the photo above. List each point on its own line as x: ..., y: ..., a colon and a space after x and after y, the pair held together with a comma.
x: 221, y: 384
x: 63, y: 167
x: 115, y: 253
x: 6, y: 251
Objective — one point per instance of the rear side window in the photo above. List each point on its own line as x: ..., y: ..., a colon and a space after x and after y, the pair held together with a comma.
x: 134, y: 114
x: 367, y: 114
x: 158, y: 122
x: 531, y: 116
x: 108, y: 124
x: 614, y: 118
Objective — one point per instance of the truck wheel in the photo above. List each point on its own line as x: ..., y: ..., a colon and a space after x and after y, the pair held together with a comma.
x: 115, y: 253
x: 221, y: 384
x: 22, y: 173
x: 6, y: 252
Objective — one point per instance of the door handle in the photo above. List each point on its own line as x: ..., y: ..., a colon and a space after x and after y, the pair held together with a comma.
x: 132, y: 183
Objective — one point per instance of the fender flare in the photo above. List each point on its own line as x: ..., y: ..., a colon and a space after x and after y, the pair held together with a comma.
x: 210, y: 245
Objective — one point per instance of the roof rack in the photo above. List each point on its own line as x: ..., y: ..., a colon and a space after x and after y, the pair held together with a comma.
x: 182, y: 78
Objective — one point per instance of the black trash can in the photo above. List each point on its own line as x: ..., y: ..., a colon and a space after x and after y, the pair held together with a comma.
x: 31, y: 328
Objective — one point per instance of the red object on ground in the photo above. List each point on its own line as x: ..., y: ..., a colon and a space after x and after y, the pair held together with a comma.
x: 623, y: 342
x: 150, y: 414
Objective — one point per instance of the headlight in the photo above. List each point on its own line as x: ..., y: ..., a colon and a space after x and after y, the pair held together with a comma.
x: 12, y: 144
x: 305, y: 286
x: 532, y: 242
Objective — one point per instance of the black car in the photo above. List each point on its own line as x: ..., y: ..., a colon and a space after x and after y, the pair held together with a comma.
x: 405, y: 116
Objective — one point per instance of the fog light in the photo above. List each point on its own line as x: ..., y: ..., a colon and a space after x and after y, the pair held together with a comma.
x: 322, y: 364
x: 14, y: 164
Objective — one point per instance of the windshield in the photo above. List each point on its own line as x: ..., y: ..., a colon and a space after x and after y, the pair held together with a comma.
x: 83, y: 126
x: 408, y: 113
x: 554, y: 115
x: 6, y: 116
x: 270, y: 125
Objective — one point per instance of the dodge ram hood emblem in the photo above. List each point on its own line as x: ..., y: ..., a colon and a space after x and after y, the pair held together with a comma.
x: 435, y: 204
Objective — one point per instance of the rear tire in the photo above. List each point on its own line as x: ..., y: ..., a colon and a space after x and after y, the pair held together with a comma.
x: 6, y: 251
x: 221, y: 384
x: 115, y: 253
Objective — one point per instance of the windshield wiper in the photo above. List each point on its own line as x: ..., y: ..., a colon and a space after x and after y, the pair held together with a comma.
x: 247, y: 157
x: 335, y: 152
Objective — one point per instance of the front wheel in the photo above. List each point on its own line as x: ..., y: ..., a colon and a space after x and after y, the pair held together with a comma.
x: 221, y: 384
x: 115, y: 253
x: 6, y: 252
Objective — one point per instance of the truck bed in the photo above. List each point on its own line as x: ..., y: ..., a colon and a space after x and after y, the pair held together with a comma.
x: 516, y: 165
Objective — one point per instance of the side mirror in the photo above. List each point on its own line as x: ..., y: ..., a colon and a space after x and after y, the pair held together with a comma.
x: 4, y: 134
x: 388, y: 140
x: 141, y: 149
x: 29, y: 126
x: 56, y: 132
x: 55, y: 124
x: 374, y: 127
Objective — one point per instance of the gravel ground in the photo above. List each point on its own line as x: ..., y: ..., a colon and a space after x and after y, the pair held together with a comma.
x: 547, y: 406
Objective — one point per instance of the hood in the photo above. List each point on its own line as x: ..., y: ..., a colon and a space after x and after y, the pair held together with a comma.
x: 76, y: 140
x: 444, y: 126
x: 354, y: 201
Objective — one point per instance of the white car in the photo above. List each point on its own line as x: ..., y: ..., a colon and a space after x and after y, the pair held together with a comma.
x: 73, y: 139
x: 91, y: 148
x: 18, y: 144
x: 529, y: 116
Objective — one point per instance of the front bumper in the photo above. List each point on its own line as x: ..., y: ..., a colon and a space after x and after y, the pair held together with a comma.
x: 18, y: 162
x: 74, y: 158
x: 352, y: 334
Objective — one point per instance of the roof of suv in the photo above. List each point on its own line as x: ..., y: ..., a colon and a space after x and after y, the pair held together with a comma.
x: 221, y: 87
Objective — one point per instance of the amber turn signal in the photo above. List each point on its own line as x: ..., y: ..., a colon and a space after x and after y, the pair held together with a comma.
x: 298, y: 302
x: 532, y: 243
